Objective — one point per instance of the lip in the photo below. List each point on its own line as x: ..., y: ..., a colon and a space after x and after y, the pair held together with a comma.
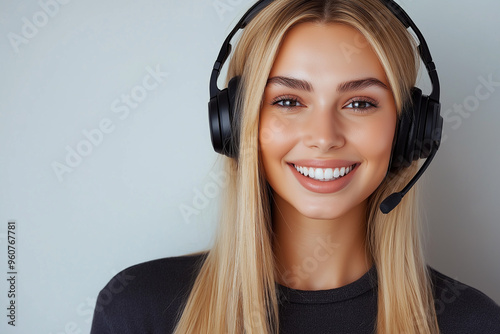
x: 324, y: 187
x: 323, y: 163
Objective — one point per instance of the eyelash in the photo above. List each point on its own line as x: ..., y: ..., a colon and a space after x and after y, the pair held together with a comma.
x: 287, y: 98
x: 371, y: 104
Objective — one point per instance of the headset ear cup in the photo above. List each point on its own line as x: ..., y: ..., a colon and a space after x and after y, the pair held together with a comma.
x: 222, y: 120
x: 225, y: 121
x: 420, y: 125
x: 398, y: 159
x: 433, y: 127
x: 410, y: 130
x: 214, y: 123
x: 234, y: 115
x: 416, y: 115
x: 419, y: 130
x: 425, y: 125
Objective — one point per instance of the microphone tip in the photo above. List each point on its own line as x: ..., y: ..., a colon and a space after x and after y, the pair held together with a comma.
x: 390, y: 202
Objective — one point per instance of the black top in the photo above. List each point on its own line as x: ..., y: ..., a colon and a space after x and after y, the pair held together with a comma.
x: 147, y: 297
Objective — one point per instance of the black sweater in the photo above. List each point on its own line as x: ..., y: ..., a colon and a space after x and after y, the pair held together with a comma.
x: 147, y: 297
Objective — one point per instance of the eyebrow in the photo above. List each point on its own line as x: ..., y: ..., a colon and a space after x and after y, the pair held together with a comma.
x: 290, y: 83
x: 341, y: 88
x: 360, y: 84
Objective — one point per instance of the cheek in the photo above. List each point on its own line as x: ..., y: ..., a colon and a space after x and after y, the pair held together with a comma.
x: 272, y: 129
x: 375, y: 141
x: 275, y: 142
x: 273, y: 136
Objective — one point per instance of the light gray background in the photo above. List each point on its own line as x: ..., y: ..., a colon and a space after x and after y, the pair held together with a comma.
x: 122, y: 204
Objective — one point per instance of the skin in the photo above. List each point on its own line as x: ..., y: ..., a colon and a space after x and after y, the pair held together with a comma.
x: 319, y: 238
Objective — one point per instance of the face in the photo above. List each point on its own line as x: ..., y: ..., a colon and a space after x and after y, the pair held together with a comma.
x: 327, y: 121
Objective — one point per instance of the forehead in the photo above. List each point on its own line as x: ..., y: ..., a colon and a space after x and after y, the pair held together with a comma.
x: 318, y: 50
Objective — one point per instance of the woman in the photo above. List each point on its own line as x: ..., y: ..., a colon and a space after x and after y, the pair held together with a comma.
x: 302, y: 246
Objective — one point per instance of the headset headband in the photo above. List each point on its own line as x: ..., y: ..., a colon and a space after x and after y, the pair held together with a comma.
x: 225, y: 50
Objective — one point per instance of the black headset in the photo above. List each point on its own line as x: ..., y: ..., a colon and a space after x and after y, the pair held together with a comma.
x: 419, y: 127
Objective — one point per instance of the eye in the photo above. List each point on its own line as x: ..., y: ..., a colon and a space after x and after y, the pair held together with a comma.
x: 286, y: 102
x: 362, y: 104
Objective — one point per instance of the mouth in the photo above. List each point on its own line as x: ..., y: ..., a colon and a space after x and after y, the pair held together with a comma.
x: 325, y: 174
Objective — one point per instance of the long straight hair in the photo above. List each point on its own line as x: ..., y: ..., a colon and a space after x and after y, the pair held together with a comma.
x: 235, y: 290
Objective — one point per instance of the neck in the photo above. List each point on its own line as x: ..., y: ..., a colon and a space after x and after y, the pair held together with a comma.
x: 319, y: 254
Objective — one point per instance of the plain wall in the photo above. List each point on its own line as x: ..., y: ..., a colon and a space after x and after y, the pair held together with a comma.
x: 68, y: 72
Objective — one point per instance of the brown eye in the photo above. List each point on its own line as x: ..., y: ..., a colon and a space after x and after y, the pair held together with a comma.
x: 362, y: 105
x: 286, y: 101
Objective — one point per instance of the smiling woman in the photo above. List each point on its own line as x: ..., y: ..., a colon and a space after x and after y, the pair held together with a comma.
x: 320, y: 122
x: 340, y: 116
x: 340, y: 119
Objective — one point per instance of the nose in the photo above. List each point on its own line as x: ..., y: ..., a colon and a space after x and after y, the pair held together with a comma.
x: 323, y: 130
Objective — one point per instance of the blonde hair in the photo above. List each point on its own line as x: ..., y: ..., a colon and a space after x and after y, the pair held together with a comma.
x: 235, y: 290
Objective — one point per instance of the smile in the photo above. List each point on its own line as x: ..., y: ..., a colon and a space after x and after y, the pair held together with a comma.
x: 324, y: 174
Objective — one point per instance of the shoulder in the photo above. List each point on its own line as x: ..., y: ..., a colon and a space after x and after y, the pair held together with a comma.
x: 461, y: 308
x: 146, y: 298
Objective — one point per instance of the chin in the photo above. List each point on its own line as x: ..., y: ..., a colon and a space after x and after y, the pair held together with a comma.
x: 328, y: 211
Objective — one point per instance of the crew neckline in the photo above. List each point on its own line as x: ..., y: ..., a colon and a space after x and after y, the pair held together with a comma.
x: 365, y: 283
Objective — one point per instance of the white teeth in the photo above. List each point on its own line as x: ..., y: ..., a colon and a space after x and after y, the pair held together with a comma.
x: 329, y: 174
x: 326, y: 174
x: 336, y: 173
